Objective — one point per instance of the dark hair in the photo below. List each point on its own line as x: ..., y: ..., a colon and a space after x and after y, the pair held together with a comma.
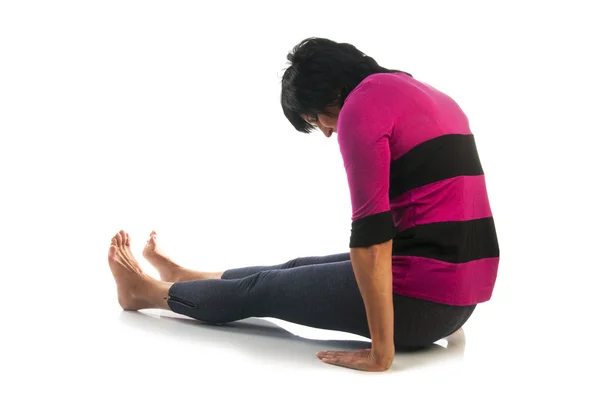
x: 322, y: 73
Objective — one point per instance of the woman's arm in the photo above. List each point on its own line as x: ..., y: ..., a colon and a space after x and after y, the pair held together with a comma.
x: 373, y: 270
x: 365, y: 125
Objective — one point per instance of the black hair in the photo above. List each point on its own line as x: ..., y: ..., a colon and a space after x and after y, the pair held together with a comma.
x: 322, y: 74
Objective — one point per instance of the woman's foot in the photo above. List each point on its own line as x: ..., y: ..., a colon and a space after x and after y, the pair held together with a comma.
x: 135, y: 289
x: 169, y: 270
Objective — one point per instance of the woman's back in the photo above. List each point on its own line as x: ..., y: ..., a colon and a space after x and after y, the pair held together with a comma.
x: 446, y: 249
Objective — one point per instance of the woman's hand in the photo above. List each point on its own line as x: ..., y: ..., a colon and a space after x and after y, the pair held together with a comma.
x: 359, y: 360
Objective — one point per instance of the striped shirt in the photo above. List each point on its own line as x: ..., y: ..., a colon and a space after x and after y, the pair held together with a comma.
x: 415, y: 178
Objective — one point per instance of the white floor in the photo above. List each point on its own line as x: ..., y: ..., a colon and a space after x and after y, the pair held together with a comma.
x: 72, y: 339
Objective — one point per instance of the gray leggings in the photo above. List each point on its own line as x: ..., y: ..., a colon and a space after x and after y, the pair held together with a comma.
x: 314, y: 291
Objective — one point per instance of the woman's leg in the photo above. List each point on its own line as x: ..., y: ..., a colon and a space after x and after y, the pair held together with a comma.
x: 237, y: 273
x: 171, y: 271
x: 323, y: 296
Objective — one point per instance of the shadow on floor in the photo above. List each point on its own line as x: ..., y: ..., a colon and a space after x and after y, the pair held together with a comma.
x: 260, y: 338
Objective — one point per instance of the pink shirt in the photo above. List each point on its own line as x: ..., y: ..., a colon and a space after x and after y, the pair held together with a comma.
x: 415, y: 177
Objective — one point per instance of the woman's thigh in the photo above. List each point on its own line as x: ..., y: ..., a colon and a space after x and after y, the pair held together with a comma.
x: 323, y: 296
x: 237, y: 273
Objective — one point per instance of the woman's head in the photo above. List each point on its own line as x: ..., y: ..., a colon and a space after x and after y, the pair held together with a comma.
x: 321, y: 75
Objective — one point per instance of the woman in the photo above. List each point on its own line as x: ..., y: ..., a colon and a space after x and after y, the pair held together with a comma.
x: 423, y: 247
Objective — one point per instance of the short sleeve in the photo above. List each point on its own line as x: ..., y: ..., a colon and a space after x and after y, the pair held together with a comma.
x: 364, y: 130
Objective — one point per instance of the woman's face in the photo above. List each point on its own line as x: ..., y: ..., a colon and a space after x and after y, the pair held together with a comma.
x: 324, y: 122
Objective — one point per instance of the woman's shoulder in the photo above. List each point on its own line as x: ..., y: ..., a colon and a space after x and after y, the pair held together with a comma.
x: 391, y: 79
x: 377, y: 89
x: 372, y: 100
x: 379, y: 84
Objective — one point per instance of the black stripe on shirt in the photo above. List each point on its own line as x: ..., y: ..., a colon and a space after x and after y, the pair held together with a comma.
x: 372, y: 230
x: 438, y: 159
x: 452, y: 242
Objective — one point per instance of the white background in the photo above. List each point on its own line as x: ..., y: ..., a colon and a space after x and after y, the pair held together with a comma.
x: 142, y: 115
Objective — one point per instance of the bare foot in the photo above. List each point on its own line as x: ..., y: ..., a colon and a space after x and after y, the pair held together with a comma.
x: 167, y: 268
x: 135, y: 289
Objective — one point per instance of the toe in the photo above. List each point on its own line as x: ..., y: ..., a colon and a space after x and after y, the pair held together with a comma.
x: 123, y: 237
x: 112, y: 252
x: 127, y: 240
x: 113, y: 241
x: 119, y: 239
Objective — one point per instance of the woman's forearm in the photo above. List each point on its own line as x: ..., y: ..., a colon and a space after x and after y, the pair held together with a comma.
x: 373, y: 270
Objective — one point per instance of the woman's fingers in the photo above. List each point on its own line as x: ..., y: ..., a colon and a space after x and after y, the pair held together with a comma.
x: 334, y: 358
x: 332, y: 354
x: 347, y: 361
x: 359, y: 360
